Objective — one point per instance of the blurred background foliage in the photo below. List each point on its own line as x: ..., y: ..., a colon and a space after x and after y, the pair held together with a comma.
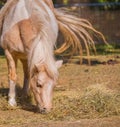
x: 109, y: 4
x: 100, y: 1
x: 105, y: 4
x: 2, y: 2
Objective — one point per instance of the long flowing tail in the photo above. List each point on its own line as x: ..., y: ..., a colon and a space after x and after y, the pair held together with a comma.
x: 77, y: 33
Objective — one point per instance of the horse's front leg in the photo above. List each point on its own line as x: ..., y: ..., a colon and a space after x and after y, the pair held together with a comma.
x: 12, y: 77
x: 26, y: 77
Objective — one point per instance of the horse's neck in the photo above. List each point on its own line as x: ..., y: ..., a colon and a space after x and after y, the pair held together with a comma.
x: 42, y: 48
x: 42, y: 52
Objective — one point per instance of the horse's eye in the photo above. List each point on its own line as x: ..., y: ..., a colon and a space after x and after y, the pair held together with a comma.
x: 39, y: 85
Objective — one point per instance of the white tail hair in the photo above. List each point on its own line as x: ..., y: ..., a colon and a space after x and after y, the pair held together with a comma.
x: 77, y: 33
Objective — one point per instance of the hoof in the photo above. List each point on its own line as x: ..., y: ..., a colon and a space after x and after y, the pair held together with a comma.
x: 12, y: 102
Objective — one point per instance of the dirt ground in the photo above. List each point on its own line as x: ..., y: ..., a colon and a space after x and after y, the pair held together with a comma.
x: 85, y: 96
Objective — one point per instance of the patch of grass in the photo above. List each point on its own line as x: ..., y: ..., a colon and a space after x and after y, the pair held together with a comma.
x: 103, y: 49
x: 4, y: 106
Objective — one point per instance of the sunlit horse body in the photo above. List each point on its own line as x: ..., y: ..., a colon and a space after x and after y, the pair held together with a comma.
x: 29, y: 29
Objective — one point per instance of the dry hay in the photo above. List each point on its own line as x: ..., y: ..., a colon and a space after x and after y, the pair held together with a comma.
x: 96, y: 101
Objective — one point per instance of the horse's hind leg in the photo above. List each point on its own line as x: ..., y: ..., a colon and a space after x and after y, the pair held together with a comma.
x: 26, y: 77
x: 12, y: 77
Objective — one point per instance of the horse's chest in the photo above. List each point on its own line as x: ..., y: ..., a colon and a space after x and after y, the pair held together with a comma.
x: 11, y: 40
x: 20, y: 37
x: 27, y: 33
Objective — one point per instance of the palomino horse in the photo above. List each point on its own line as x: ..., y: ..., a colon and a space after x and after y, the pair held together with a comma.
x: 29, y: 30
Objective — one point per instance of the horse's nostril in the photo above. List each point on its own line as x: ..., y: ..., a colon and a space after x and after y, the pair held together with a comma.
x: 43, y: 111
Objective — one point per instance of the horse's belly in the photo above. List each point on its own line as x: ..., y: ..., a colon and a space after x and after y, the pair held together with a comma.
x: 19, y: 55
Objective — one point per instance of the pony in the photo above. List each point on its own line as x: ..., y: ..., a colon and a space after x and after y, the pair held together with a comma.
x: 29, y: 31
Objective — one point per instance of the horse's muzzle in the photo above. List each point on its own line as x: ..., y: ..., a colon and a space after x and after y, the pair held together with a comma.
x: 43, y: 110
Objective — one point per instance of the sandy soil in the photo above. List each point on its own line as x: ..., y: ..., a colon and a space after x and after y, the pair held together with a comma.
x: 73, y: 81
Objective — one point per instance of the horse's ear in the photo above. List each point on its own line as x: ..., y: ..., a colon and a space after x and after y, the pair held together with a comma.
x: 59, y: 63
x: 38, y: 68
x: 35, y: 69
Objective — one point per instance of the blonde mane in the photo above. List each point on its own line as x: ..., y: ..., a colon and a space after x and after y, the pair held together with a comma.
x: 42, y: 49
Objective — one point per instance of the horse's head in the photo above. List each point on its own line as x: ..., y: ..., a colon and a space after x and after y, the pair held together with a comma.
x: 42, y: 84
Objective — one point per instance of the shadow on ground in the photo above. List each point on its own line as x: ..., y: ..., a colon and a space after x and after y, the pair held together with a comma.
x: 23, y: 101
